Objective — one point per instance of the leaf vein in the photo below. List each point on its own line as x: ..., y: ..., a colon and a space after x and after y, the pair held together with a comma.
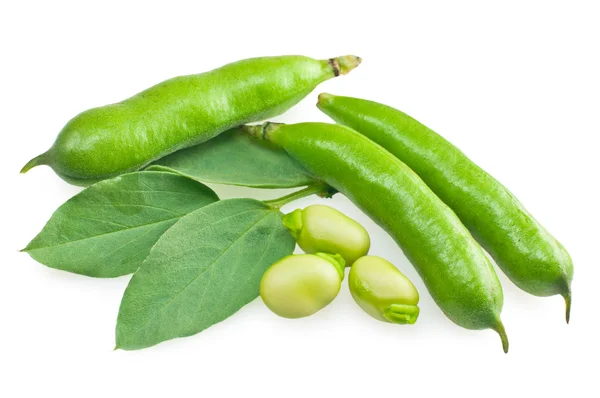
x: 132, y: 205
x: 103, y: 234
x: 168, y: 303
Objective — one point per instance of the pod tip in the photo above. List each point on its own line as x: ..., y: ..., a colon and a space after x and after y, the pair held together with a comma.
x: 499, y: 328
x: 568, y: 300
x: 343, y: 65
x: 324, y: 98
x: 38, y: 160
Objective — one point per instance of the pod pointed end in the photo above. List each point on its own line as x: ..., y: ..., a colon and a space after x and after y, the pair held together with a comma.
x: 37, y: 161
x: 499, y: 328
x: 567, y: 297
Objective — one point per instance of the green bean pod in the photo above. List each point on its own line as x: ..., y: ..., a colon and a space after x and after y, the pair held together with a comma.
x: 114, y: 139
x: 455, y: 269
x: 527, y: 253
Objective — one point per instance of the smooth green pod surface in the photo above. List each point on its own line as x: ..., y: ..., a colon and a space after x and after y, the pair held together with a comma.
x: 302, y: 284
x: 382, y: 291
x: 527, y: 253
x: 319, y: 228
x: 177, y: 113
x: 453, y: 266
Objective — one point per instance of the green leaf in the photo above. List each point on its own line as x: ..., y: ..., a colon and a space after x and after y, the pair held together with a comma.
x: 108, y: 229
x: 201, y: 271
x: 235, y: 158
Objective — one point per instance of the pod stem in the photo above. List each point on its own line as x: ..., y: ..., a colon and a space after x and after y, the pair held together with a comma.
x: 259, y: 131
x: 36, y: 161
x: 499, y: 328
x: 318, y: 188
x: 343, y: 65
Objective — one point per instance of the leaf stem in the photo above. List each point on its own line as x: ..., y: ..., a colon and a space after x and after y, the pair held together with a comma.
x: 318, y: 188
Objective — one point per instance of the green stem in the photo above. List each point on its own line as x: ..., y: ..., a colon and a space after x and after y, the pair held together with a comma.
x: 318, y: 188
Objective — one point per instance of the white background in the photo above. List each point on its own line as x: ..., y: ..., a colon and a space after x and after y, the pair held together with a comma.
x: 513, y: 84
